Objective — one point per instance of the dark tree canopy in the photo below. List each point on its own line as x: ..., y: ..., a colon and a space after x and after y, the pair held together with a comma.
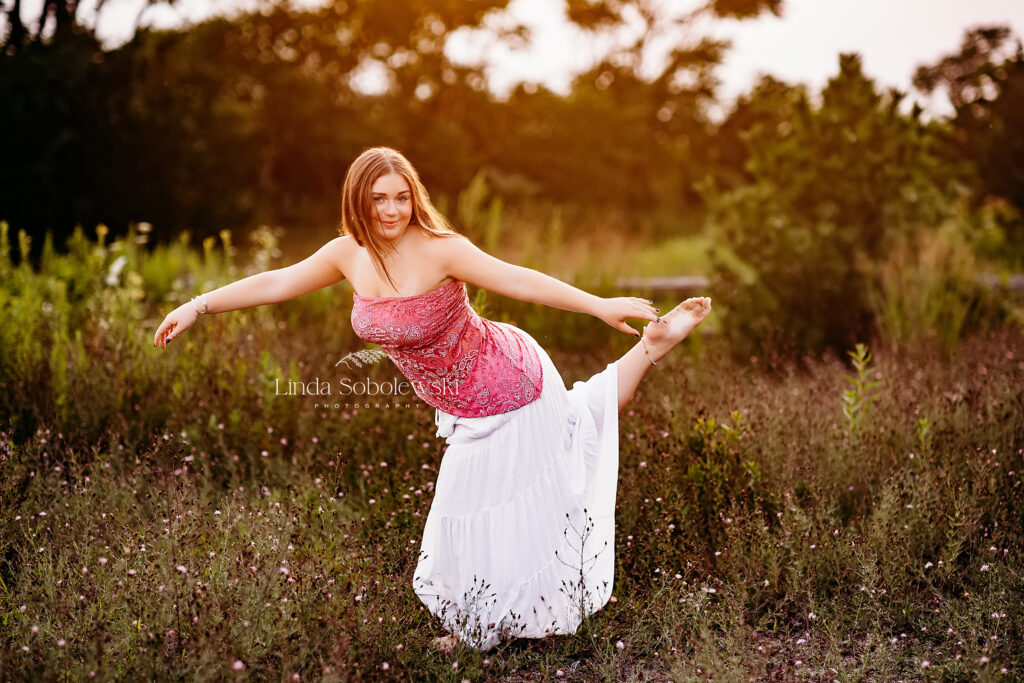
x: 253, y: 119
x: 985, y: 83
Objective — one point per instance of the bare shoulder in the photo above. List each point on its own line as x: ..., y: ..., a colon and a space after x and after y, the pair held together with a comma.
x: 343, y: 243
x: 446, y: 247
x: 341, y: 250
x: 458, y: 258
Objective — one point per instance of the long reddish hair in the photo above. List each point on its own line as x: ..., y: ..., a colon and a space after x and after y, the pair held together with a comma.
x: 358, y: 211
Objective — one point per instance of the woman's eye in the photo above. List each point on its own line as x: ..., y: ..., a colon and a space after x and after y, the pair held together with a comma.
x: 403, y: 199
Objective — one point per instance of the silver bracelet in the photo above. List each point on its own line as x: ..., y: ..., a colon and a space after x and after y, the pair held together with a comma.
x: 206, y: 305
x: 644, y: 344
x: 649, y: 356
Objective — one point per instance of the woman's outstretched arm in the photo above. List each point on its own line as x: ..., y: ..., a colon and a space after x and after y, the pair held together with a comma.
x: 464, y: 261
x: 319, y: 270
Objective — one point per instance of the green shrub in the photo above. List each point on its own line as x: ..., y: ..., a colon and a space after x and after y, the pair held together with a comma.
x: 833, y: 189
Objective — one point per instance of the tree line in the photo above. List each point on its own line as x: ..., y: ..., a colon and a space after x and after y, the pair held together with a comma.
x: 253, y: 119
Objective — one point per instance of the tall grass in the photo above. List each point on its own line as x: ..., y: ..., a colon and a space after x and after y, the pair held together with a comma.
x: 170, y: 515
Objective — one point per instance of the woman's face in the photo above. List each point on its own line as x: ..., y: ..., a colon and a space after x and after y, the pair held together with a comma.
x: 392, y: 201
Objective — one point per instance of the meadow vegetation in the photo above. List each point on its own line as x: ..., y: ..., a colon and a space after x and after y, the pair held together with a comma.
x: 176, y: 515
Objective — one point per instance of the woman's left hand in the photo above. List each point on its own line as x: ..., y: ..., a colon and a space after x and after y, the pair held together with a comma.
x: 616, y: 310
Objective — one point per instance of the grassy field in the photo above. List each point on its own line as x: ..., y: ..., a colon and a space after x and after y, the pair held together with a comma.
x: 169, y: 515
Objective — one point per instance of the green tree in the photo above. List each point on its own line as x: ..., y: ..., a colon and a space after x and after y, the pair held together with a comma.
x: 833, y: 186
x: 985, y: 84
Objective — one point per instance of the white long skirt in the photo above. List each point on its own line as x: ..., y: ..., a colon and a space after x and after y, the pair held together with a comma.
x: 520, y: 537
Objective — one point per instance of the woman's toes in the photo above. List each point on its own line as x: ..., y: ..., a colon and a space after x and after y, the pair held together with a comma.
x: 446, y: 644
x: 676, y: 325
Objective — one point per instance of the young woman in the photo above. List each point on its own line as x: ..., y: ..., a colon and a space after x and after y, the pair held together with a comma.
x: 519, y: 540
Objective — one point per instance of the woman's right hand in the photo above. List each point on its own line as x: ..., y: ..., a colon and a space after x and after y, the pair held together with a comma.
x: 616, y: 310
x: 176, y: 322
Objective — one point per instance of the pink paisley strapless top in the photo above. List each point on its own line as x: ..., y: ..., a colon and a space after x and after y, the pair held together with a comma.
x: 455, y: 360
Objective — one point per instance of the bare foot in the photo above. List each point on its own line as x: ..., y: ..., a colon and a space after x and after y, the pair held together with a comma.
x: 675, y: 326
x: 446, y: 644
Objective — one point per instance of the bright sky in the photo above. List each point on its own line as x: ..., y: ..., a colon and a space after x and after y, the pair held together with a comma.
x: 892, y: 36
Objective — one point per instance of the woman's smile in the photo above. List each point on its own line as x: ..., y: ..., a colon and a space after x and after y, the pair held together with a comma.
x: 392, y: 199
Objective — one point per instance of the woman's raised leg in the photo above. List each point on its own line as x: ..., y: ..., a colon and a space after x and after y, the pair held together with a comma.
x: 659, y: 338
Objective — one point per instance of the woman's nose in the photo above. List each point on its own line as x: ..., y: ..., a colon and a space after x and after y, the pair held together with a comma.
x: 390, y: 209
